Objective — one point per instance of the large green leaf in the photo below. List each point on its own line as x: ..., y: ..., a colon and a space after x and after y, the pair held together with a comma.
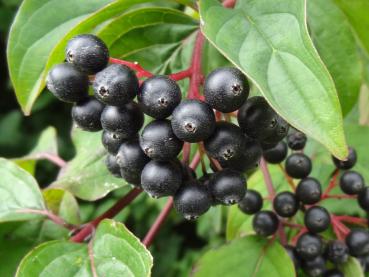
x: 86, y: 176
x: 357, y: 14
x: 269, y: 42
x: 352, y: 268
x: 249, y: 256
x: 18, y: 191
x: 342, y: 59
x: 115, y: 252
x: 40, y: 32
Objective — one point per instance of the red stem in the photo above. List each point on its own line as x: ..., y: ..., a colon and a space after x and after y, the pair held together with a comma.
x: 299, y: 234
x: 332, y: 183
x: 229, y: 3
x: 267, y: 178
x: 158, y: 223
x: 196, y: 76
x: 352, y: 219
x: 338, y: 196
x: 113, y: 211
x: 288, y: 178
x: 55, y: 159
x: 186, y: 152
x: 196, y: 160
x: 181, y: 75
x: 53, y: 217
x: 141, y: 72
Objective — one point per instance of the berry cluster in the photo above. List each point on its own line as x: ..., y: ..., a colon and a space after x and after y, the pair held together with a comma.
x: 233, y: 131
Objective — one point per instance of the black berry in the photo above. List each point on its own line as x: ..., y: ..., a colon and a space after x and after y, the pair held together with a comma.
x: 158, y: 96
x: 349, y: 162
x: 126, y: 120
x: 286, y: 204
x: 226, y: 143
x: 363, y: 199
x: 131, y: 160
x: 317, y: 219
x: 296, y: 140
x: 265, y: 223
x: 67, y: 83
x: 88, y: 53
x: 276, y: 154
x: 315, y: 267
x: 309, y: 191
x: 116, y: 85
x: 192, y: 200
x: 227, y: 186
x: 158, y: 141
x: 298, y: 165
x: 160, y: 179
x: 112, y: 141
x: 112, y: 165
x: 337, y: 252
x: 358, y: 242
x: 309, y: 246
x: 251, y: 203
x: 193, y: 121
x: 86, y: 114
x: 333, y: 273
x: 226, y: 89
x: 351, y: 182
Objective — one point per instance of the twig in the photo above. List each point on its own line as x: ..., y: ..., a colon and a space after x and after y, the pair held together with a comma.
x: 332, y: 183
x: 53, y: 217
x: 196, y: 76
x: 141, y: 72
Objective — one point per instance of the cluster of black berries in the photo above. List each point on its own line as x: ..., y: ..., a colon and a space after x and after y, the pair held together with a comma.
x: 149, y: 159
x: 314, y: 255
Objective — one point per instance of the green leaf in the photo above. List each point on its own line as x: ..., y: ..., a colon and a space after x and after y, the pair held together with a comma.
x: 249, y: 256
x: 38, y: 37
x: 269, y: 42
x: 62, y: 203
x: 115, y: 252
x: 357, y: 14
x: 151, y: 36
x: 86, y: 176
x: 18, y: 191
x: 352, y: 268
x: 240, y: 224
x: 342, y: 59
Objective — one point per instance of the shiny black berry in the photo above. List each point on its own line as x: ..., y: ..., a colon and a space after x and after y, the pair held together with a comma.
x: 227, y: 186
x: 251, y: 203
x: 259, y: 121
x: 158, y: 96
x: 349, y: 162
x: 337, y: 252
x: 112, y: 165
x: 126, y: 120
x: 265, y: 223
x: 193, y: 121
x: 317, y: 219
x: 296, y: 140
x: 192, y: 200
x: 158, y: 141
x: 67, y: 83
x: 309, y: 246
x: 160, y: 179
x: 131, y: 160
x: 86, y: 114
x: 315, y: 267
x: 226, y: 89
x: 112, y: 141
x: 286, y: 204
x: 226, y: 143
x: 333, y: 273
x: 358, y: 242
x: 363, y: 199
x: 352, y: 182
x: 247, y: 159
x: 88, y: 53
x: 276, y: 154
x: 309, y: 191
x: 298, y: 165
x: 116, y: 85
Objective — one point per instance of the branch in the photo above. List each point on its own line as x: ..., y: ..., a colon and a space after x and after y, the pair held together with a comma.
x: 113, y: 211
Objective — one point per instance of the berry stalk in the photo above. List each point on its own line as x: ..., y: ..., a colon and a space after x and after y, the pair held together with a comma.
x: 196, y: 76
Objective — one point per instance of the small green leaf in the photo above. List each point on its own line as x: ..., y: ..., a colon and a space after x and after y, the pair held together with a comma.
x: 115, y: 252
x: 352, y: 268
x: 86, y: 176
x: 62, y: 203
x: 342, y: 59
x: 249, y: 256
x: 18, y: 191
x: 269, y: 42
x: 357, y: 14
